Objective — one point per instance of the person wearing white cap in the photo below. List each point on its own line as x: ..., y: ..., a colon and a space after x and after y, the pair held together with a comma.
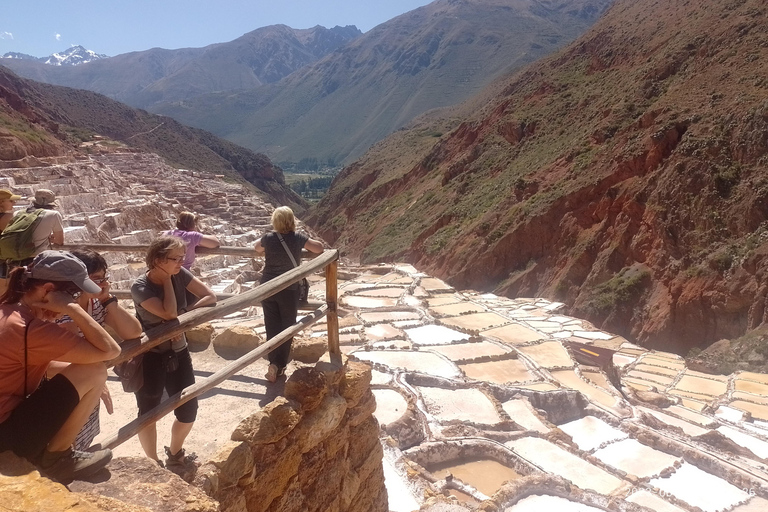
x: 39, y: 418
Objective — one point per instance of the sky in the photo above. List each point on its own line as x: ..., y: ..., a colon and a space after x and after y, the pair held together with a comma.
x: 112, y: 27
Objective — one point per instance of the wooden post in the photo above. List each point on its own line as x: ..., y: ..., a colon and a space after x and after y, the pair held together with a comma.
x: 331, y: 298
x: 129, y: 430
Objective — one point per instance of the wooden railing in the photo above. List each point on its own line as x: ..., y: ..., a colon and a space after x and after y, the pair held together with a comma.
x: 327, y: 260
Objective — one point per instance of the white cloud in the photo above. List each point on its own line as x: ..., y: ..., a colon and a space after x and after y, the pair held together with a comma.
x: 6, y: 35
x: 57, y: 36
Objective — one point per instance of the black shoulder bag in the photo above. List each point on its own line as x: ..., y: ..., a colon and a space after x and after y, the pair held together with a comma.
x: 303, y: 284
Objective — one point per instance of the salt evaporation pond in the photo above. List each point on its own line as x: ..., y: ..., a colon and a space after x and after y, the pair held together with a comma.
x: 701, y: 489
x: 538, y: 503
x: 485, y: 475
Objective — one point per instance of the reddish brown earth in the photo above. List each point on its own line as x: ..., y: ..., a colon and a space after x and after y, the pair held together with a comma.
x: 626, y: 175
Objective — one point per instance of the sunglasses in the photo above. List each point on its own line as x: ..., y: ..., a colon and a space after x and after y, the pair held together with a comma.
x: 175, y: 260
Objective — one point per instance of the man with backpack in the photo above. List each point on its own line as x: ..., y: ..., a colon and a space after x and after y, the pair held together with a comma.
x: 31, y: 232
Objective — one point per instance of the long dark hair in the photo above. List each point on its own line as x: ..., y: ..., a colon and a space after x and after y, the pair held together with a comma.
x: 20, y: 283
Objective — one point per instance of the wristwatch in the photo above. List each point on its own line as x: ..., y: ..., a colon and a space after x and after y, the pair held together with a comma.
x: 109, y: 301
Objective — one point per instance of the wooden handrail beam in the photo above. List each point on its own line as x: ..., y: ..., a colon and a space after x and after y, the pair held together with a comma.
x: 309, y: 306
x: 170, y: 329
x: 246, y: 252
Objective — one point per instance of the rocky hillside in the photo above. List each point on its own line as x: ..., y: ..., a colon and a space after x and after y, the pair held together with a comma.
x: 625, y: 175
x: 39, y: 120
x: 433, y: 56
x: 144, y: 78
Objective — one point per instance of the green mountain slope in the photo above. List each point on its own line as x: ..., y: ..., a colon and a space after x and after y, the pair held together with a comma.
x: 626, y: 175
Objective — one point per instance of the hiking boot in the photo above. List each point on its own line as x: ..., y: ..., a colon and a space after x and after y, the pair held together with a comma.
x: 179, y: 460
x: 73, y: 464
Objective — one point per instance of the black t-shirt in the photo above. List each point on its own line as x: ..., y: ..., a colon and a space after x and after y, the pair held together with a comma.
x: 276, y: 260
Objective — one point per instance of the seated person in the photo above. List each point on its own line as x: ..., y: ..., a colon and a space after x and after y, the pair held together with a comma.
x: 105, y: 309
x: 36, y: 295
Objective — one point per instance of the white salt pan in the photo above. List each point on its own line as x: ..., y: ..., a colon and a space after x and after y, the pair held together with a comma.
x: 460, y: 404
x: 701, y: 489
x: 435, y: 335
x: 590, y: 432
x: 538, y: 503
x: 635, y: 458
x: 758, y: 447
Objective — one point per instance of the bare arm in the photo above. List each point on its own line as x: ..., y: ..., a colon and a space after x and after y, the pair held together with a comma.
x: 209, y: 241
x: 57, y: 237
x: 125, y: 324
x: 166, y: 307
x: 258, y: 247
x: 98, y: 345
x: 313, y: 245
x: 200, y: 289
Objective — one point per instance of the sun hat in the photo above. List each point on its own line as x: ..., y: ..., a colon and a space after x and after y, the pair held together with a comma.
x: 7, y: 194
x: 44, y: 197
x: 62, y: 266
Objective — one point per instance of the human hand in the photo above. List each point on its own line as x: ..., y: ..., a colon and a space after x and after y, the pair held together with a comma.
x: 104, y: 295
x: 107, y: 399
x: 55, y: 302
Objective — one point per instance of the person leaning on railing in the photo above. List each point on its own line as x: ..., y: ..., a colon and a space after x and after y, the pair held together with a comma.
x: 186, y: 229
x: 280, y: 309
x: 39, y: 418
x: 105, y: 309
x: 160, y: 295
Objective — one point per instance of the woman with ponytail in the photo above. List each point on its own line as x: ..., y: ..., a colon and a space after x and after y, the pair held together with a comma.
x: 39, y: 419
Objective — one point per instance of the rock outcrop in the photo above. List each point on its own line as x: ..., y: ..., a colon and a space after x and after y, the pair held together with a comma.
x: 315, y: 449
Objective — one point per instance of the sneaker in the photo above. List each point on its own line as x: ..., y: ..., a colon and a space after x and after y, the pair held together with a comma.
x: 272, y: 373
x: 179, y: 460
x: 75, y: 465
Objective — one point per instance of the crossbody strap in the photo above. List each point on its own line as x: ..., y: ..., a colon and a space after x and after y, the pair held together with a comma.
x: 26, y: 330
x: 285, y: 246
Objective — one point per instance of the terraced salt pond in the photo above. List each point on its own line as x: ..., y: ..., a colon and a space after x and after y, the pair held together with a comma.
x: 485, y: 475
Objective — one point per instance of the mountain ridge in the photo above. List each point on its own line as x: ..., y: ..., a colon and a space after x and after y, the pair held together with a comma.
x: 433, y: 56
x: 143, y: 78
x: 40, y: 121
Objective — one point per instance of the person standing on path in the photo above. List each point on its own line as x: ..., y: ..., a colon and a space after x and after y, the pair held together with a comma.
x: 280, y: 309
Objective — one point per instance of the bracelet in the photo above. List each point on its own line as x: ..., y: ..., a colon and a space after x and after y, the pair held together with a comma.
x: 109, y: 301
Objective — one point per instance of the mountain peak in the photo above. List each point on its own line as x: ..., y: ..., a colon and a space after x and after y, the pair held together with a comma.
x: 72, y: 56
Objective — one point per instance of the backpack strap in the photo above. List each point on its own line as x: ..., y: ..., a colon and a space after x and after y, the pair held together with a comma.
x: 285, y: 246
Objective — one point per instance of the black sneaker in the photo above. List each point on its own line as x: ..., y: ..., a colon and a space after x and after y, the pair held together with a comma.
x: 75, y: 465
x: 179, y: 460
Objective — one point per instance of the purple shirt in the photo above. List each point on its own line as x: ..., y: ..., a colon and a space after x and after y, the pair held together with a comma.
x: 192, y: 239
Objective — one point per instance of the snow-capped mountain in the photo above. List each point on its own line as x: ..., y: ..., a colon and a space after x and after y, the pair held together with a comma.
x: 70, y: 57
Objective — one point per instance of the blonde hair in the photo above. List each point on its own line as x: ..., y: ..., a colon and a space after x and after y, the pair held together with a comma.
x: 283, y: 220
x: 186, y: 221
x: 161, y: 247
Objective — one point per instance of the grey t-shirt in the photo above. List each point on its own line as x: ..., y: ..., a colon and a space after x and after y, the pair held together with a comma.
x: 144, y: 289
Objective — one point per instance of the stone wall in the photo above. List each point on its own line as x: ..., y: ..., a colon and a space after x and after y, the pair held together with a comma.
x: 316, y: 448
